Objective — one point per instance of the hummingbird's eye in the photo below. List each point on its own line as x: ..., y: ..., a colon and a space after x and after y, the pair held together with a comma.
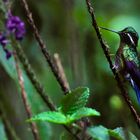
x: 124, y: 35
x: 129, y: 36
x: 128, y: 39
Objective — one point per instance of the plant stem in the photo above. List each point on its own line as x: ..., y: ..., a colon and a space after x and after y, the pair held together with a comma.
x: 35, y: 82
x: 44, y: 48
x: 28, y: 69
x: 70, y: 131
x: 116, y: 75
x: 8, y: 127
x: 24, y: 98
x: 60, y: 69
x: 46, y: 54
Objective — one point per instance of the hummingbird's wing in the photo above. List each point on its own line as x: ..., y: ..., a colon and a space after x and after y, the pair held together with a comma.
x: 134, y: 72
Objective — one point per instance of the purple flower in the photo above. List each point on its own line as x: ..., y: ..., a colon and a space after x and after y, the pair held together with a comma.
x: 5, y: 0
x: 8, y: 53
x: 15, y: 25
x: 3, y: 40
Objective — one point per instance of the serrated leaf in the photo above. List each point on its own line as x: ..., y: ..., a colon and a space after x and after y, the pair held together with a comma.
x: 75, y: 100
x: 50, y: 116
x: 98, y: 132
x: 120, y: 134
x: 83, y: 112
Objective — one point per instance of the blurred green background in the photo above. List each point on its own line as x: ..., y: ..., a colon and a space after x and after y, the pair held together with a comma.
x: 65, y: 26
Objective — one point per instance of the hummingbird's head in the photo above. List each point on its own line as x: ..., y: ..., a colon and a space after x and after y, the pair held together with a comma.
x: 129, y: 36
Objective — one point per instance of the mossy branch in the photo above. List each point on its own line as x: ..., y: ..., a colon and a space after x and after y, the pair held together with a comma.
x: 116, y: 75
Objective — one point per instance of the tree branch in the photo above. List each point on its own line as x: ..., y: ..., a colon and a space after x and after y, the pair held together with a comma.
x: 43, y: 47
x: 106, y: 52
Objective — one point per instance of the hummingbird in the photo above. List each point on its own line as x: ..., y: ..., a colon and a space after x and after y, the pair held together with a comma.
x: 127, y: 61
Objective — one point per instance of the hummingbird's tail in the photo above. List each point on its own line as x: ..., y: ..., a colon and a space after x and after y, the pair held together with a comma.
x: 136, y: 88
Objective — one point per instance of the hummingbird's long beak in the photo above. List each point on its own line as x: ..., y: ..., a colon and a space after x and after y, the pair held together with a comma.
x: 109, y: 30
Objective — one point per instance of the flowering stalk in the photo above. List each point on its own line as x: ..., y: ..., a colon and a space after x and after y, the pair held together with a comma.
x: 29, y: 71
x: 16, y: 26
x: 4, y: 42
x: 13, y: 26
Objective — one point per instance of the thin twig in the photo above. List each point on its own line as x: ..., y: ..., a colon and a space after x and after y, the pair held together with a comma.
x: 70, y: 131
x: 43, y: 47
x: 24, y: 98
x: 60, y: 70
x: 28, y: 69
x: 46, y: 55
x: 106, y: 52
x: 32, y: 76
x: 8, y: 127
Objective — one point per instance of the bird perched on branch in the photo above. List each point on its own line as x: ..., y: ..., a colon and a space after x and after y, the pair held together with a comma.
x: 127, y: 61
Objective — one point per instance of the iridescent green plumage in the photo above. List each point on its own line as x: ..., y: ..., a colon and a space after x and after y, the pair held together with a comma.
x: 126, y: 60
x: 130, y: 54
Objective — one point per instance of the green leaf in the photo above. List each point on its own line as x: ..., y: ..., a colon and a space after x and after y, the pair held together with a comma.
x: 83, y: 112
x: 50, y: 116
x: 8, y: 64
x: 2, y: 132
x: 120, y: 134
x: 35, y: 101
x: 102, y: 133
x: 75, y: 100
x: 98, y: 132
x: 60, y: 118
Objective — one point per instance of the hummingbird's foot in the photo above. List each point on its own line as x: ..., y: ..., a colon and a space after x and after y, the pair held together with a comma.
x: 115, y: 67
x: 127, y: 77
x: 112, y: 54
